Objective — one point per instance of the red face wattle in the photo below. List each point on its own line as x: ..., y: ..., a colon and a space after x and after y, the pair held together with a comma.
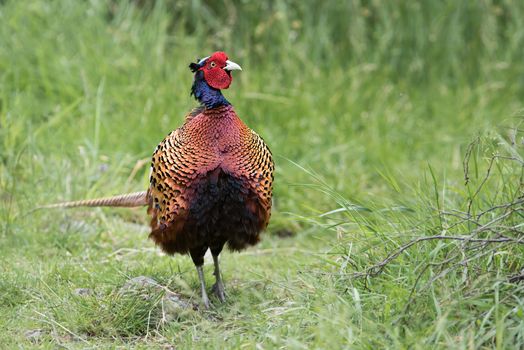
x: 214, y: 73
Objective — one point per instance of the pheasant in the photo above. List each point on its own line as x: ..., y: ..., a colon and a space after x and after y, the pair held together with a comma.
x: 211, y: 179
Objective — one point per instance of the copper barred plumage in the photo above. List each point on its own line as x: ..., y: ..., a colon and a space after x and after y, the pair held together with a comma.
x: 212, y: 167
x: 211, y: 179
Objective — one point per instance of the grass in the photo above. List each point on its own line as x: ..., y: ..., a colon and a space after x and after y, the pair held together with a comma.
x: 373, y: 112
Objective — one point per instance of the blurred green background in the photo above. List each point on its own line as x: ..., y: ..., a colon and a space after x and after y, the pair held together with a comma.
x: 368, y: 107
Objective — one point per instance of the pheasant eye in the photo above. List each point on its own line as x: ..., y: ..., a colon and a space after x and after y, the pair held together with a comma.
x: 212, y: 64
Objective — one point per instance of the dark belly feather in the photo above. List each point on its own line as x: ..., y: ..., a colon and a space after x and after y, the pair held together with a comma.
x: 222, y: 210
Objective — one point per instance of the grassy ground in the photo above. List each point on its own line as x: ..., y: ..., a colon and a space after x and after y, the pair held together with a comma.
x: 376, y: 113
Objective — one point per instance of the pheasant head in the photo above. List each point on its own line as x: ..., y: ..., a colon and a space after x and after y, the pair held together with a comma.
x: 212, y: 74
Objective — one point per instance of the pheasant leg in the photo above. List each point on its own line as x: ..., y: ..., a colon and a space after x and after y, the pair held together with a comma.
x: 205, y: 299
x: 218, y: 287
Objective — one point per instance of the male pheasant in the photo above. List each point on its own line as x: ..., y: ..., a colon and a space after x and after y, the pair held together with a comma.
x: 211, y: 179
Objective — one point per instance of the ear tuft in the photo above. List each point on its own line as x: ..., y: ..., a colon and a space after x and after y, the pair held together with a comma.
x: 194, y: 67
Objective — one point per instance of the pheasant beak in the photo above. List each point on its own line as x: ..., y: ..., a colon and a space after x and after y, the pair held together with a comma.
x: 230, y: 65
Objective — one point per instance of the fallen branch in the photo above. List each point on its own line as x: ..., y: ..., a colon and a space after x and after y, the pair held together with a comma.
x: 379, y: 267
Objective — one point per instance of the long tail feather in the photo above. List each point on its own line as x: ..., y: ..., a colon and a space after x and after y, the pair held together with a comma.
x: 136, y: 199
